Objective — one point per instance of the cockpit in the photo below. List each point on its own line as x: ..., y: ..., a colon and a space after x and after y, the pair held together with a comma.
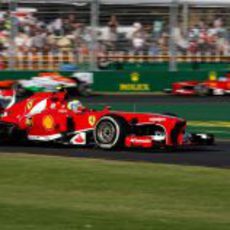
x: 74, y: 105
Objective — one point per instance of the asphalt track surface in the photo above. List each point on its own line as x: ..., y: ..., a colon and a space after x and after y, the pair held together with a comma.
x: 210, y: 156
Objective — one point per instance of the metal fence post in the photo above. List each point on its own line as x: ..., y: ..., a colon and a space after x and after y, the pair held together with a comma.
x: 185, y: 18
x: 172, y: 43
x: 94, y: 26
x: 13, y: 33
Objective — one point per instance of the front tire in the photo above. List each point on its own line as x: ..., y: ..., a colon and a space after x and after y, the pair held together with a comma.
x: 202, y: 90
x: 110, y: 132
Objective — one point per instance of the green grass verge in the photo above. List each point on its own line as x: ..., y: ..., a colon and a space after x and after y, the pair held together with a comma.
x: 52, y: 193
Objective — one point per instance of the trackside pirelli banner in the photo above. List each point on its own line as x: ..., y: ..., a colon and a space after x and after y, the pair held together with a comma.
x: 127, y: 81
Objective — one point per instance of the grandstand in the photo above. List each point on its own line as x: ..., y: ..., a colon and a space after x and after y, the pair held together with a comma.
x: 47, y: 34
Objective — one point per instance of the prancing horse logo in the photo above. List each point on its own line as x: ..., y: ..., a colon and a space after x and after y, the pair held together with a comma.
x: 92, y: 120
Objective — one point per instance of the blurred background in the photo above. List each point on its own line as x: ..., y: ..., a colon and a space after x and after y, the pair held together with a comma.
x: 114, y: 35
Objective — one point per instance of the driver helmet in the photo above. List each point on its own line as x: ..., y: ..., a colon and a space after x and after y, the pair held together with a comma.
x: 74, y: 105
x: 222, y: 78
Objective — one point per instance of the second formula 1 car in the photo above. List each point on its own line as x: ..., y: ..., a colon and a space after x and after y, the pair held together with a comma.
x: 54, y: 118
x: 218, y: 87
x: 77, y: 84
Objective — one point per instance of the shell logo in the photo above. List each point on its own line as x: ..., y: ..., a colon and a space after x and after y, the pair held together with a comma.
x: 92, y: 120
x: 48, y: 122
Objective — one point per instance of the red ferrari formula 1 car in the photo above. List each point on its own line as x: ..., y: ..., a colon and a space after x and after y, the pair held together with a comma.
x: 220, y: 86
x: 52, y: 117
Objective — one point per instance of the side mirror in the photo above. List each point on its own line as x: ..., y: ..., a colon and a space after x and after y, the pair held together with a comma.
x: 83, y: 109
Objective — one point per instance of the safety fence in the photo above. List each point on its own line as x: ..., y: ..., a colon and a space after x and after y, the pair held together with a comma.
x: 39, y: 61
x: 50, y: 61
x: 122, y: 57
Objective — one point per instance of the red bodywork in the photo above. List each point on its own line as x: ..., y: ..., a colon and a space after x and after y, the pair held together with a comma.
x: 6, y: 93
x: 185, y: 88
x: 46, y: 117
x: 7, y: 84
x: 220, y: 86
x: 6, y: 90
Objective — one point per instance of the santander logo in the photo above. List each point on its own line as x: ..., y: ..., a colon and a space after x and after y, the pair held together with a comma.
x: 79, y: 139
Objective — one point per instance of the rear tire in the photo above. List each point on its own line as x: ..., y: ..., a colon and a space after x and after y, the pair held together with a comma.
x: 10, y: 133
x: 110, y: 132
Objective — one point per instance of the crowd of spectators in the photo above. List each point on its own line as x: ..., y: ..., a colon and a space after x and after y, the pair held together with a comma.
x: 64, y: 34
x: 34, y: 35
x: 206, y: 38
x: 203, y: 38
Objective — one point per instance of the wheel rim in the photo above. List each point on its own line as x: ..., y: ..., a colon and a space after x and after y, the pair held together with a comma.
x: 106, y: 133
x: 159, y: 136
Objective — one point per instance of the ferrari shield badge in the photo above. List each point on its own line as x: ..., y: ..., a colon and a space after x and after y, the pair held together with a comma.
x: 29, y: 104
x: 92, y: 120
